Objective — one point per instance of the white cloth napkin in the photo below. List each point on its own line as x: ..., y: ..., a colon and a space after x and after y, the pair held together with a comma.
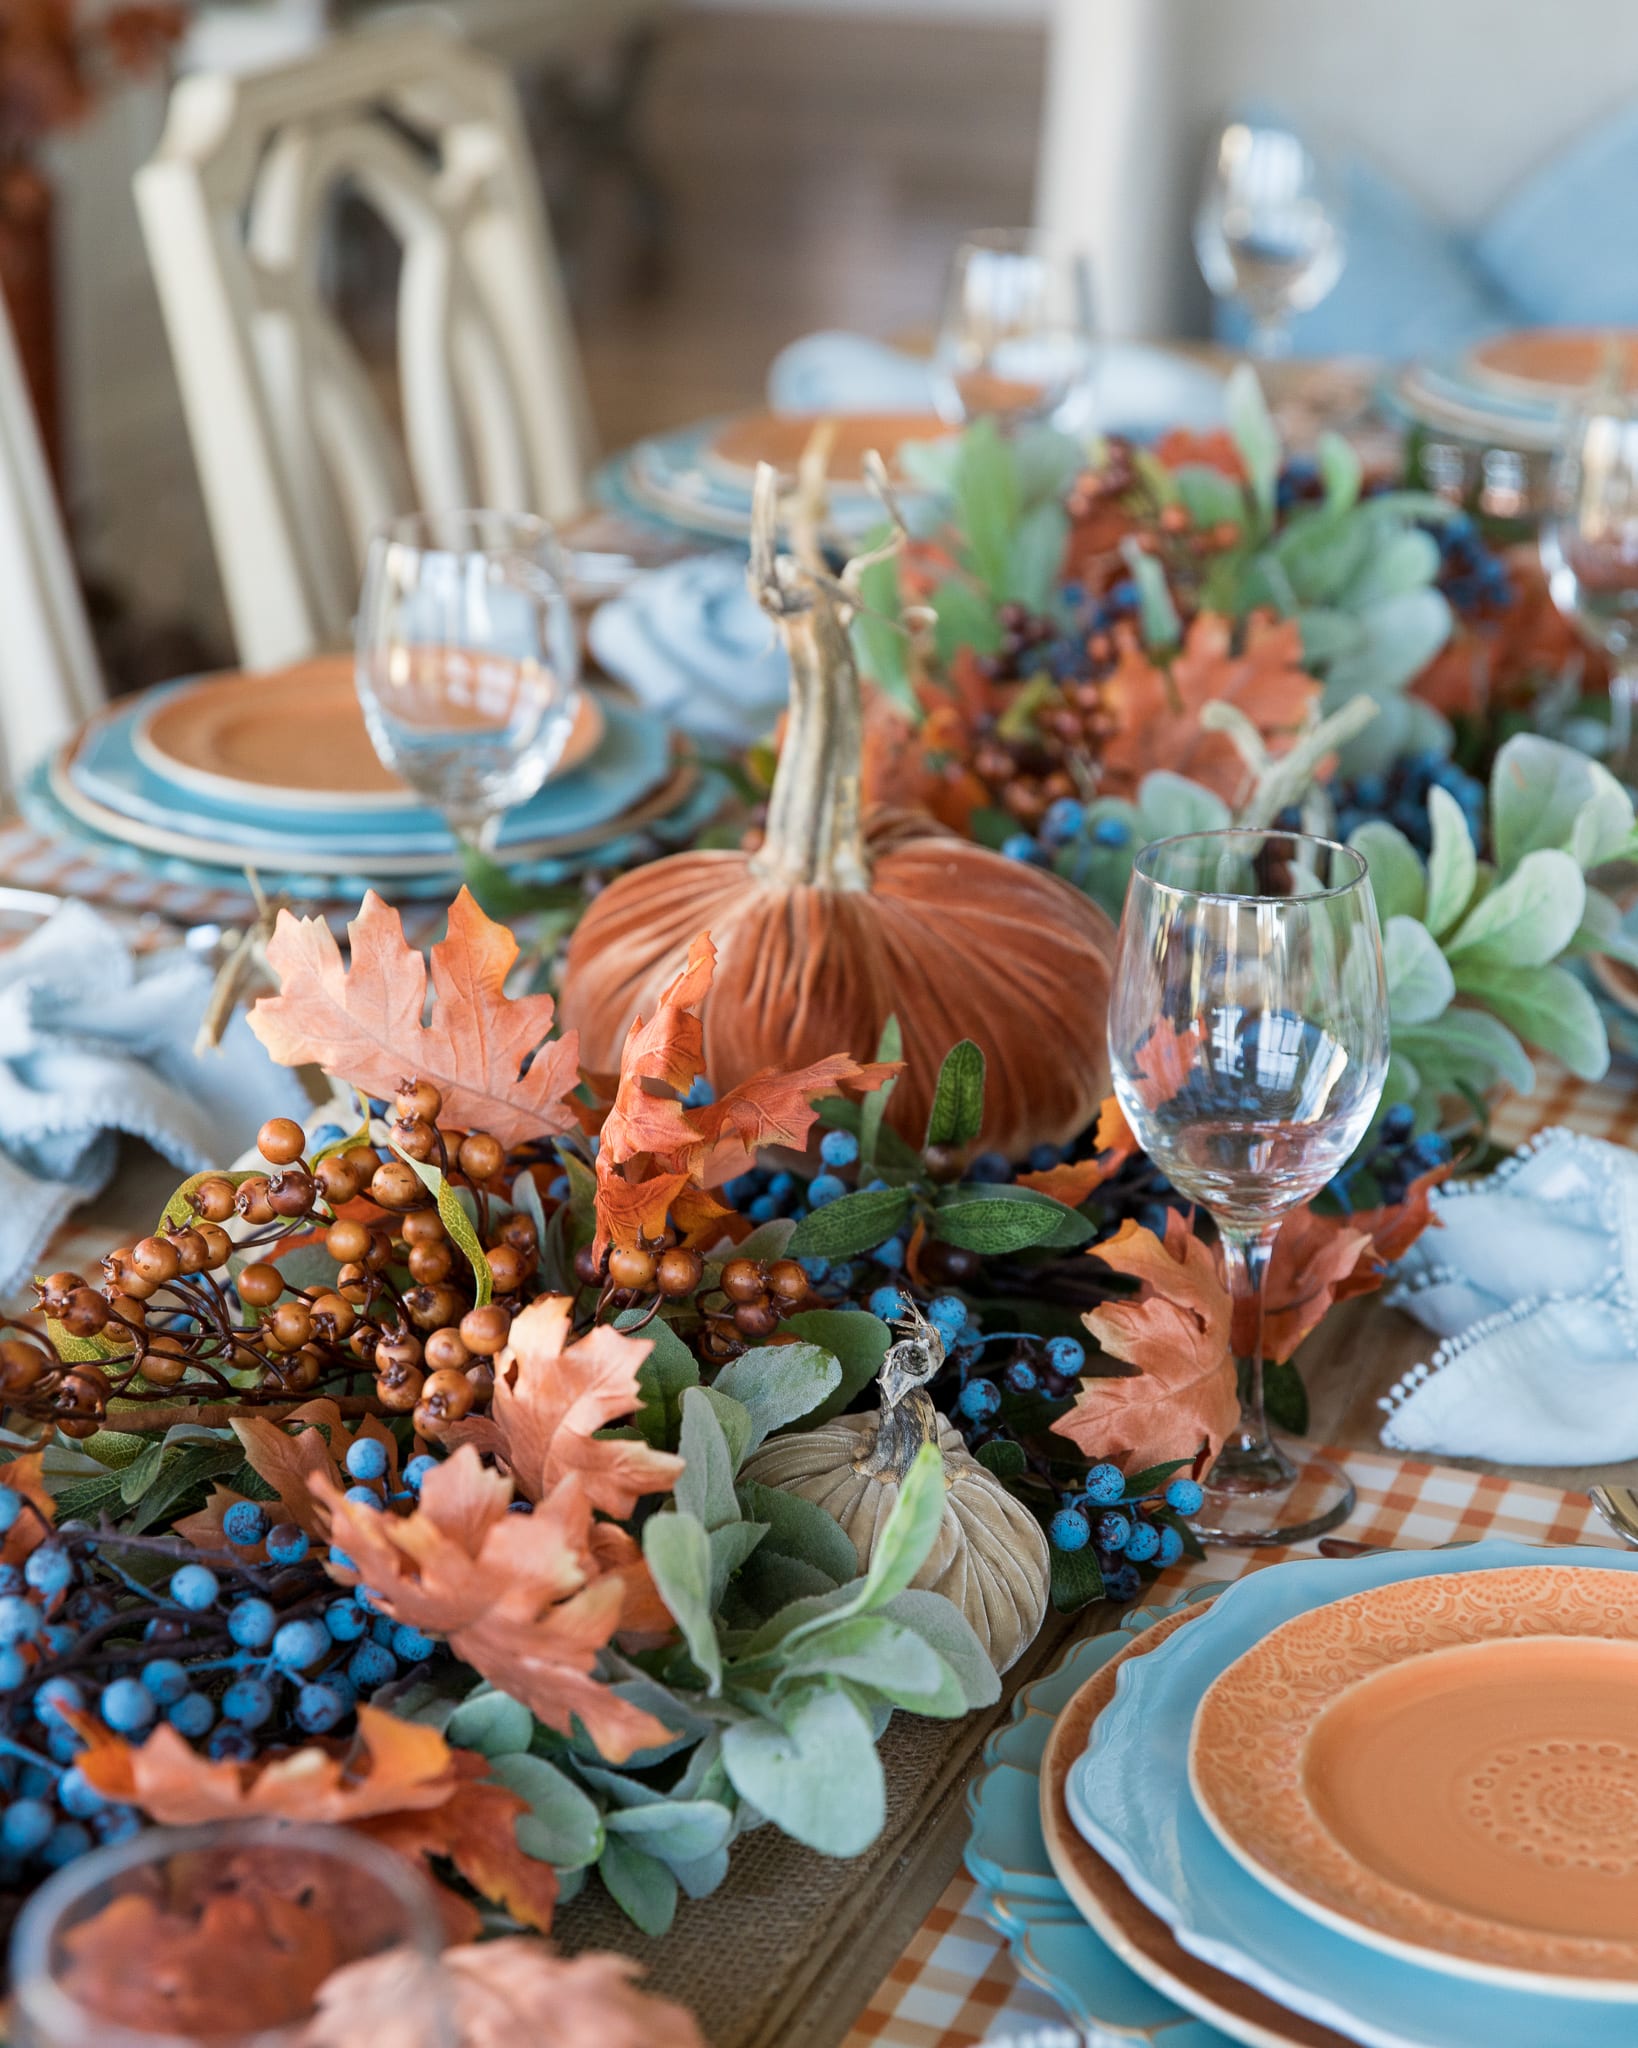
x: 693, y: 646
x: 1532, y: 1281
x: 94, y: 1041
x: 1133, y: 390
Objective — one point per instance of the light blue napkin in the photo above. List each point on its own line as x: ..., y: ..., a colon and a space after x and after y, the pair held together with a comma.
x: 94, y: 1041
x: 1133, y: 390
x: 1531, y: 1280
x: 693, y: 646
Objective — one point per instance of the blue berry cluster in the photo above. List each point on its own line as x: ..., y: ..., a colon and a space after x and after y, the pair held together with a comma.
x: 1396, y: 1157
x: 1123, y: 1531
x: 1472, y: 576
x: 1401, y: 797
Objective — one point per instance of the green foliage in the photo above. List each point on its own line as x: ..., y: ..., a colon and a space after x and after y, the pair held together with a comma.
x: 957, y: 1114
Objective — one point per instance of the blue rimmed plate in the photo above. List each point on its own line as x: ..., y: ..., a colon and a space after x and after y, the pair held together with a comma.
x: 1129, y: 1797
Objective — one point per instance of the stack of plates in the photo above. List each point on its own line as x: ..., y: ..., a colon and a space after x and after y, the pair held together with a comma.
x: 698, y: 481
x: 202, y: 779
x: 1390, y: 1801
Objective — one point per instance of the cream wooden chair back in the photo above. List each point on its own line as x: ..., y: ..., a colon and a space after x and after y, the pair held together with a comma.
x: 49, y: 678
x: 294, y: 446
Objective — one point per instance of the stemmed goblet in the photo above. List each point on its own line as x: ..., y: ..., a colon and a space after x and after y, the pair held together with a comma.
x: 1267, y: 231
x: 1248, y: 1034
x: 1589, y: 549
x: 1017, y: 342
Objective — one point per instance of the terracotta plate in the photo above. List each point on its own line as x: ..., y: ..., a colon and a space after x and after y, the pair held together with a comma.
x: 293, y: 739
x: 780, y: 437
x: 1549, y: 362
x: 1446, y: 1768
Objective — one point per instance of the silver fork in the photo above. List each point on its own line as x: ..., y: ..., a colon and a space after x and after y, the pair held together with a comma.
x: 1619, y: 1507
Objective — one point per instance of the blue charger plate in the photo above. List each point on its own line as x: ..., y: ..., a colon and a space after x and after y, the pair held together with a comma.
x: 633, y: 758
x: 1129, y: 1797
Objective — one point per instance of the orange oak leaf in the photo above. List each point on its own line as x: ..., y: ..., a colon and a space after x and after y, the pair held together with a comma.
x: 399, y: 1781
x: 551, y: 1397
x: 518, y: 1597
x: 488, y: 1054
x: 1075, y: 1180
x: 499, y: 1993
x: 203, y: 1528
x: 1176, y: 1333
x: 1156, y: 711
x: 32, y: 1527
x: 312, y: 1438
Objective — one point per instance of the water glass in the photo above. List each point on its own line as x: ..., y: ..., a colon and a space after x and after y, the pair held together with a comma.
x: 1589, y: 549
x: 220, y: 1937
x: 467, y: 661
x: 1248, y: 1036
x: 1017, y: 342
x: 1268, y: 229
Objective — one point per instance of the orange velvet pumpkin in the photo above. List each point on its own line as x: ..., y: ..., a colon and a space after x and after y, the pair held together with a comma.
x: 838, y: 921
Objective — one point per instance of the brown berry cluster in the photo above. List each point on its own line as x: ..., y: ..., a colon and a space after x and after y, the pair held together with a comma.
x: 174, y: 1321
x: 756, y: 1296
x: 1026, y: 773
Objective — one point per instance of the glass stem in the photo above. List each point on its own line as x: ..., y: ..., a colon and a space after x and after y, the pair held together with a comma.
x: 1269, y: 339
x: 1250, y: 1461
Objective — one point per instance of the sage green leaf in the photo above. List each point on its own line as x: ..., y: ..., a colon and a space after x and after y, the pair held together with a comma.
x: 880, y: 644
x: 1209, y: 497
x: 800, y: 1528
x: 702, y: 1875
x: 640, y: 1885
x: 731, y: 1546
x: 674, y: 1830
x: 964, y: 615
x: 1327, y: 635
x: 777, y: 1384
x: 1466, y: 1046
x: 678, y: 1552
x: 940, y: 1623
x: 1171, y: 804
x: 582, y: 1193
x: 853, y: 1223
x: 664, y: 1376
x: 1603, y: 828
x: 772, y: 1581
x: 1538, y: 790
x: 1397, y: 881
x: 705, y: 1489
x: 1529, y: 918
x: 1037, y: 556
x: 986, y: 1218
x: 987, y: 502
x: 1341, y: 472
x: 957, y: 1114
x: 1420, y: 983
x: 1453, y: 865
x: 769, y: 1240
x: 1253, y: 429
x: 1604, y: 930
x: 1402, y: 635
x: 858, y: 1342
x: 1546, y: 1006
x: 732, y: 1420
x: 1406, y: 561
x: 814, y: 1772
x: 562, y: 1827
x: 873, y: 1651
x: 1158, y: 621
x: 909, y: 1533
x: 455, y: 1220
x: 493, y: 1724
x: 889, y: 1047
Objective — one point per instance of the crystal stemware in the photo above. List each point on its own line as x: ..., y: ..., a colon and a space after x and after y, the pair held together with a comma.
x: 467, y: 662
x: 1589, y: 549
x: 1267, y: 231
x: 1248, y: 1034
x: 222, y: 1937
x: 1017, y: 341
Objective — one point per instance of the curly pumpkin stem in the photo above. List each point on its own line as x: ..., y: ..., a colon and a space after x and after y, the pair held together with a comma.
x: 814, y: 833
x: 907, y: 1419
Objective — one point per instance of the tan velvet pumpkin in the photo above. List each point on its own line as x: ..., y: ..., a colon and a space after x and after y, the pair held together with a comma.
x: 989, y: 1558
x: 838, y: 921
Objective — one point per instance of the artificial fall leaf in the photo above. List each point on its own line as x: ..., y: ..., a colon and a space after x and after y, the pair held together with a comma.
x: 499, y: 1993
x: 362, y: 1023
x: 1165, y: 1060
x: 1176, y: 1332
x: 518, y: 1597
x: 399, y: 1782
x: 33, y: 1525
x: 1396, y: 1226
x: 1075, y: 1180
x: 312, y: 1438
x: 1185, y: 448
x: 552, y: 1394
x: 1156, y: 711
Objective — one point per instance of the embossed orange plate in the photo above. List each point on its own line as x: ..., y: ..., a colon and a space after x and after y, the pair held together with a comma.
x: 1446, y: 1768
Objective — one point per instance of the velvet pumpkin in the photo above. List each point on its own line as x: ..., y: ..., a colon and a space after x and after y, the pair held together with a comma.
x: 840, y: 920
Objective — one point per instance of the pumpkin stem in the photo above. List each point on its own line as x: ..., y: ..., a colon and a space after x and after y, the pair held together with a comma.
x: 908, y: 1418
x: 813, y: 833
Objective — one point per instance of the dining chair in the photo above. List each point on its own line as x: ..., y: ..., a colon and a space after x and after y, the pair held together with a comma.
x: 49, y: 676
x: 291, y: 427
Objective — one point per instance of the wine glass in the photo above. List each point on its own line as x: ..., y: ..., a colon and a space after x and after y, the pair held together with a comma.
x: 223, y: 1935
x: 1589, y: 549
x: 1248, y: 1034
x: 1267, y: 230
x: 1017, y: 339
x: 467, y: 662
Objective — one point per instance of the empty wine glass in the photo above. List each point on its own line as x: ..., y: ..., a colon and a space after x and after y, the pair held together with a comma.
x: 1017, y: 339
x: 1248, y: 1034
x: 1267, y: 231
x: 1589, y: 549
x: 223, y: 1937
x: 467, y: 662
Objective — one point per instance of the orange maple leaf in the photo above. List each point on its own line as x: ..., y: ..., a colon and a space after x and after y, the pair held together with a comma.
x: 34, y: 1524
x: 488, y: 1055
x: 1157, y: 710
x: 518, y: 1597
x: 552, y: 1396
x: 1177, y: 1334
x: 497, y: 1994
x: 1075, y: 1179
x: 398, y: 1781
